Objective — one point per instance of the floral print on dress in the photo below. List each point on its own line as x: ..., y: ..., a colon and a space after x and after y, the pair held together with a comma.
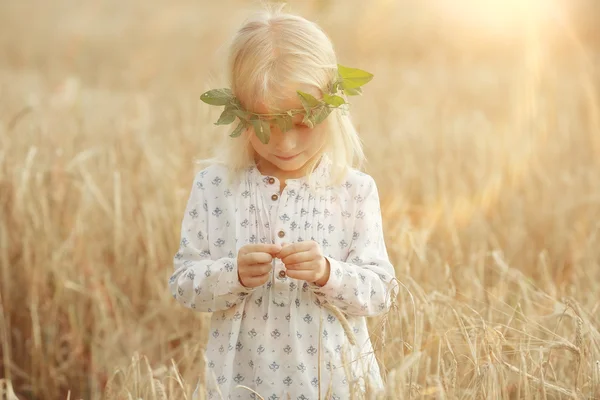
x: 269, y: 338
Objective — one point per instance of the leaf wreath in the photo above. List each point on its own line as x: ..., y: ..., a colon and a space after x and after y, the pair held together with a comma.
x: 347, y: 83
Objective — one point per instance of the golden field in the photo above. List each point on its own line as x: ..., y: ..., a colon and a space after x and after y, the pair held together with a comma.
x: 482, y: 129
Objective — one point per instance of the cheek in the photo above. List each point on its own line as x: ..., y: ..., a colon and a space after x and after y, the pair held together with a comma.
x: 314, y: 138
x: 256, y: 144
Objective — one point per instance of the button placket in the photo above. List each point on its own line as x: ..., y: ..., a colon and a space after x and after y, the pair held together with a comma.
x: 271, y: 181
x: 281, y: 293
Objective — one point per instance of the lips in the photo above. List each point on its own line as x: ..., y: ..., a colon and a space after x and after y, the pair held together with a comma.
x: 287, y: 158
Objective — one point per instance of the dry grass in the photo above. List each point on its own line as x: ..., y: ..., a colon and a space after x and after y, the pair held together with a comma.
x: 485, y: 145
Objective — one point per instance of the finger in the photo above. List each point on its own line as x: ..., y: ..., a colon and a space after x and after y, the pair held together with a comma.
x: 261, y: 248
x: 304, y: 275
x: 303, y: 266
x: 256, y: 258
x: 296, y: 258
x: 259, y: 269
x: 294, y: 248
x: 255, y: 270
x: 272, y: 249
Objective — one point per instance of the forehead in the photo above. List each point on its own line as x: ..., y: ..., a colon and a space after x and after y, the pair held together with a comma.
x: 287, y: 100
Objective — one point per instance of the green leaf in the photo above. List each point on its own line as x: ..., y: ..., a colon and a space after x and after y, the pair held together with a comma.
x: 333, y: 100
x: 336, y: 86
x: 353, y: 92
x: 238, y: 130
x: 243, y: 115
x: 320, y: 115
x: 235, y: 102
x: 227, y: 117
x: 353, y: 78
x: 308, y: 120
x: 284, y: 123
x: 262, y: 129
x: 217, y: 97
x: 308, y: 100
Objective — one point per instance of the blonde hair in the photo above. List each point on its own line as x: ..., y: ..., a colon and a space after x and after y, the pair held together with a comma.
x: 272, y: 51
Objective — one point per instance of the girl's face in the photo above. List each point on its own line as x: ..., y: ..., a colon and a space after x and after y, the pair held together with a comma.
x: 288, y: 154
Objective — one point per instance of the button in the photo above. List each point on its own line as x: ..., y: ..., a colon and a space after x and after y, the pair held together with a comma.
x: 274, y: 197
x: 281, y: 234
x: 282, y: 274
x: 271, y: 181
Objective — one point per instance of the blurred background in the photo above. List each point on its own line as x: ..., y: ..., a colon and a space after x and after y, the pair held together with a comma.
x: 482, y: 129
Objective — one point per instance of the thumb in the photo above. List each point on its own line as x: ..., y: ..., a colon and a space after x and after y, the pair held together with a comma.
x: 284, y: 245
x: 273, y: 249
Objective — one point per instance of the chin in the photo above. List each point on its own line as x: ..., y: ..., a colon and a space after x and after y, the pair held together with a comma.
x: 289, y: 166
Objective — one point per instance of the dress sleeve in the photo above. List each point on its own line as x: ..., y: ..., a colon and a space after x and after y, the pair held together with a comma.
x: 200, y: 281
x: 364, y: 284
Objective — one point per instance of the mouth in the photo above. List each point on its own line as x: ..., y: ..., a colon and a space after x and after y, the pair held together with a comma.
x: 287, y: 158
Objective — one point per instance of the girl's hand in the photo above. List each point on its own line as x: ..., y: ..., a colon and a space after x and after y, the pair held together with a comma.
x: 305, y: 261
x: 254, y: 263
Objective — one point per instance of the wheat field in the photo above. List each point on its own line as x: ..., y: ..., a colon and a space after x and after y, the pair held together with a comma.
x: 482, y: 129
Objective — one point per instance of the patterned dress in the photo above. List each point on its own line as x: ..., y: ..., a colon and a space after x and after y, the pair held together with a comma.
x: 272, y: 338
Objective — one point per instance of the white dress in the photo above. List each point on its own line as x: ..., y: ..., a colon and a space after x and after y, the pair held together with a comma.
x: 272, y: 337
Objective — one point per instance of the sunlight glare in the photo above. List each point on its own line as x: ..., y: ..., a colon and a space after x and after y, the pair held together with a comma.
x: 498, y: 16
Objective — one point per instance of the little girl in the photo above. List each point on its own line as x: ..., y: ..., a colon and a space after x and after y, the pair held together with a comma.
x: 281, y: 238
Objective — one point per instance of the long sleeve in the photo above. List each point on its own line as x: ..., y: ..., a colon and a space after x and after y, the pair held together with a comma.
x: 201, y: 282
x: 364, y: 284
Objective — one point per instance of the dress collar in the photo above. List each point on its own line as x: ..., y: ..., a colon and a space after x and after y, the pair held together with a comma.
x: 318, y: 178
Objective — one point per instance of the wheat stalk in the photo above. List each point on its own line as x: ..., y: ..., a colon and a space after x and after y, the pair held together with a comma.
x: 343, y: 321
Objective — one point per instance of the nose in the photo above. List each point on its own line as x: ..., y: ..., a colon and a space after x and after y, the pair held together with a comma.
x: 284, y: 142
